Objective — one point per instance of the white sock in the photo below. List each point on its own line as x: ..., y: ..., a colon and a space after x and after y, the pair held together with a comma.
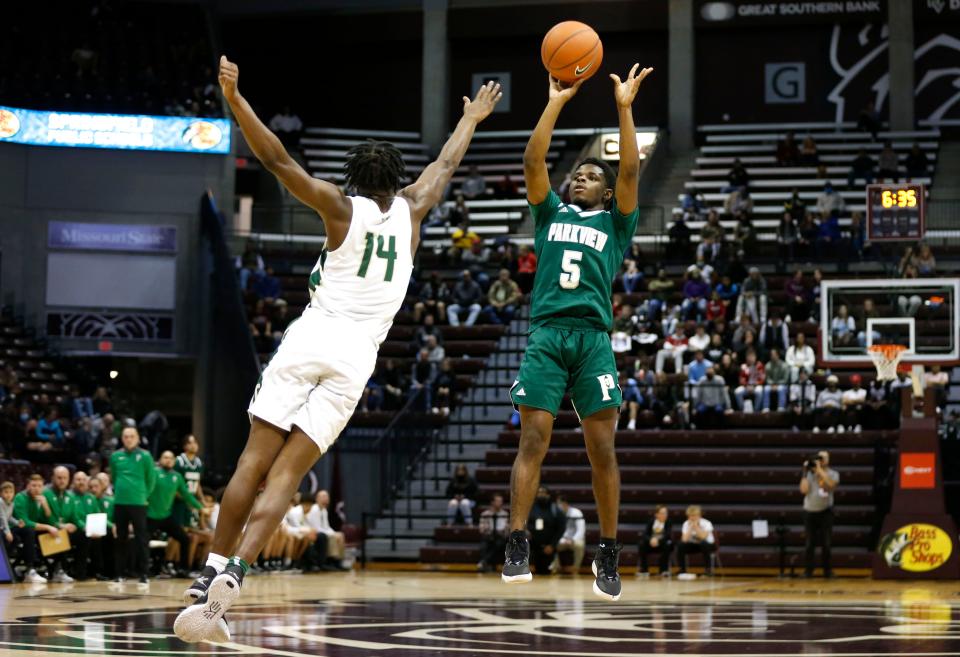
x: 217, y: 562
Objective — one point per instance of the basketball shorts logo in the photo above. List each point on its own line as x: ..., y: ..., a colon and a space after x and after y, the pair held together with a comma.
x: 607, y: 383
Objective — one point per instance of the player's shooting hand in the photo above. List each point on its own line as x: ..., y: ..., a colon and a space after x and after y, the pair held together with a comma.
x: 626, y: 90
x: 228, y: 77
x: 483, y: 103
x: 561, y: 90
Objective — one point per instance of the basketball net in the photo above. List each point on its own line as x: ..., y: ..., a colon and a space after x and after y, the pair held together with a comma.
x: 886, y: 357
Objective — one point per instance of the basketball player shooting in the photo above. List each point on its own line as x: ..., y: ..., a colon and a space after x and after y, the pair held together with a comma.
x: 312, y: 385
x: 579, y: 251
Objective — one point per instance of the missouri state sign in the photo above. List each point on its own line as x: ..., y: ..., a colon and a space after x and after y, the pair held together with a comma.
x: 916, y: 548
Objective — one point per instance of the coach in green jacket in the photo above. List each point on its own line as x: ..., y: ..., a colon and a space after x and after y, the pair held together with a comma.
x: 170, y: 485
x: 134, y: 477
x: 63, y: 514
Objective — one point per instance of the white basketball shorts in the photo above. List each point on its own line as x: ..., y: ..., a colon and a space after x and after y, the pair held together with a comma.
x: 316, y: 377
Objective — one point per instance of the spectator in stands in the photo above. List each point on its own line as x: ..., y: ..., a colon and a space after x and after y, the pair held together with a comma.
x: 808, y: 152
x: 674, y: 346
x: 545, y: 525
x: 737, y: 176
x: 134, y: 477
x: 506, y: 187
x: 917, y: 162
x: 632, y: 401
x: 869, y: 119
x: 678, y: 247
x: 817, y: 486
x: 287, y: 126
x: 267, y: 286
x: 863, y: 168
x: 170, y: 484
x: 101, y: 402
x: 869, y: 312
x: 630, y: 276
x: 394, y: 385
x: 697, y: 535
x: 443, y: 389
x: 427, y: 330
x: 829, y: 202
x: 777, y: 376
x: 879, y: 410
x: 474, y: 185
x: 909, y: 305
x: 17, y: 531
x: 711, y: 400
x: 716, y: 309
x: 798, y: 303
x: 815, y: 294
x: 434, y: 296
x: 738, y: 202
x: 697, y: 369
x: 422, y: 374
x: 695, y: 292
x: 502, y: 299
x: 49, y: 430
x: 712, y: 228
x: 908, y: 259
x: 574, y: 538
x: 787, y: 152
x: 457, y: 212
x: 888, y: 164
x: 853, y: 401
x: 301, y: 536
x: 494, y: 528
x: 752, y: 377
x: 716, y: 349
x: 466, y: 296
x: 660, y: 289
x: 753, y: 298
x: 463, y: 239
x: 318, y: 519
x: 691, y: 205
x: 843, y: 329
x: 526, y: 268
x: 925, y: 262
x: 699, y: 340
x: 807, y: 236
x: 795, y: 206
x: 828, y: 237
x: 787, y: 236
x: 803, y: 399
x: 249, y: 263
x: 479, y: 253
x: 740, y: 333
x: 744, y: 234
x: 827, y: 413
x: 774, y: 335
x: 461, y: 495
x: 858, y: 234
x: 800, y: 357
x: 667, y: 401
x: 657, y: 537
x: 435, y: 352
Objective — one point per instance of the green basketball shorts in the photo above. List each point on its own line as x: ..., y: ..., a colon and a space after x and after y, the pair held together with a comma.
x: 559, y: 360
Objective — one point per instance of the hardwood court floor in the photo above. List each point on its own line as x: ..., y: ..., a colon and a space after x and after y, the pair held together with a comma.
x: 405, y: 614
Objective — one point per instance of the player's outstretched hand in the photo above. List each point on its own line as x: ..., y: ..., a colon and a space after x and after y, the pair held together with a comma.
x: 561, y: 90
x: 229, y: 74
x: 626, y: 90
x: 483, y: 103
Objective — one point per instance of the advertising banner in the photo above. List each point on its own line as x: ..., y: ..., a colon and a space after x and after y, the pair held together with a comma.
x: 111, y: 237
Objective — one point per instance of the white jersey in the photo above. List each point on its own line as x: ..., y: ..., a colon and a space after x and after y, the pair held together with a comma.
x: 365, y: 279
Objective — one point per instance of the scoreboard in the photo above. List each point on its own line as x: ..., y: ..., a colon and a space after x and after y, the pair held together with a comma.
x: 895, y: 212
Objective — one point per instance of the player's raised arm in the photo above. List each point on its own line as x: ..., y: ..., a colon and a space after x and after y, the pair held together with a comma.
x: 629, y: 174
x: 428, y: 190
x: 535, y: 172
x: 324, y: 197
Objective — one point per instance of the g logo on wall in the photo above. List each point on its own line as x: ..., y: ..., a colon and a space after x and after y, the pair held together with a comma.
x: 916, y: 548
x: 785, y: 83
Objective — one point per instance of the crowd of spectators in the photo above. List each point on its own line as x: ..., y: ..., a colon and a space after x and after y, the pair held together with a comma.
x: 108, y: 56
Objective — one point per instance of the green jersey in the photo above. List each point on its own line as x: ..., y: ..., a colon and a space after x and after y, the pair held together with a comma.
x: 192, y: 471
x: 106, y: 506
x: 84, y: 505
x: 133, y: 476
x: 61, y: 506
x: 30, y: 511
x: 170, y: 483
x: 578, y: 256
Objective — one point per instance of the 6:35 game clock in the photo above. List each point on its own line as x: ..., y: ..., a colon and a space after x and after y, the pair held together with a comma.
x: 895, y: 211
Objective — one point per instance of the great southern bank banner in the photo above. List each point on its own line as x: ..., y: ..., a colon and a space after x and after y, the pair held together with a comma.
x: 124, y: 131
x: 111, y: 237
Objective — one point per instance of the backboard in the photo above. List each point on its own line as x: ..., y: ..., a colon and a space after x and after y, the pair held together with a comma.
x: 921, y: 314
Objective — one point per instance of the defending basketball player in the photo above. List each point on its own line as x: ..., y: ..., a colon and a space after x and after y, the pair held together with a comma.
x: 312, y: 385
x: 579, y: 250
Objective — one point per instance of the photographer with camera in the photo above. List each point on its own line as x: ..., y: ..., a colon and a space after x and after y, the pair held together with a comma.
x: 817, y: 485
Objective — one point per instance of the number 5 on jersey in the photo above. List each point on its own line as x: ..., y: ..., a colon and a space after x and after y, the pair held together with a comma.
x: 570, y: 276
x: 390, y: 254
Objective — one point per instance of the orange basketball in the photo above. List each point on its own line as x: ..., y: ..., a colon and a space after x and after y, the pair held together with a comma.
x: 571, y: 51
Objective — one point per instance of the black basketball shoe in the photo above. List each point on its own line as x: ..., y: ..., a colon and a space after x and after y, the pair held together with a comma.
x: 200, y: 585
x: 605, y: 564
x: 516, y: 565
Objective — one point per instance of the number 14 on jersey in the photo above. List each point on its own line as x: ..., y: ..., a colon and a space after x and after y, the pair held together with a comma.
x: 389, y: 254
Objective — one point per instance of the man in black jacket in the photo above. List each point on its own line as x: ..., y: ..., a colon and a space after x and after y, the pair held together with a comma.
x: 545, y: 524
x: 657, y: 537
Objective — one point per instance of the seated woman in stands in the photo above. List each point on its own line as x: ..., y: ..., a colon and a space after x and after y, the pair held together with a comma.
x: 808, y: 153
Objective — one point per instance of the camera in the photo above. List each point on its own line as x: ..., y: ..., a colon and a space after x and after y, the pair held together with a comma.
x: 811, y: 462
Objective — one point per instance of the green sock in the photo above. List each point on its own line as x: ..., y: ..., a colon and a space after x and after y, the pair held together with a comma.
x: 237, y: 561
